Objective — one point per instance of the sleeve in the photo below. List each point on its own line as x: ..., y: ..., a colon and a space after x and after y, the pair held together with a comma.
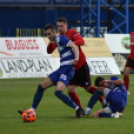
x: 123, y: 88
x: 64, y: 41
x: 112, y: 86
x: 78, y: 40
x: 114, y: 78
x: 51, y: 48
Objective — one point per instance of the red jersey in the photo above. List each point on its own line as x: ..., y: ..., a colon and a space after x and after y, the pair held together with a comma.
x: 131, y: 55
x: 76, y: 38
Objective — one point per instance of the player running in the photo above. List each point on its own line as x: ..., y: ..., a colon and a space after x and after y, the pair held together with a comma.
x: 81, y: 77
x: 130, y: 62
x: 115, y: 94
x: 62, y: 76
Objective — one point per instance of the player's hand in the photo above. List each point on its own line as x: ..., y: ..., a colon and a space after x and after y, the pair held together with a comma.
x: 104, y: 82
x: 74, y: 62
x: 51, y: 42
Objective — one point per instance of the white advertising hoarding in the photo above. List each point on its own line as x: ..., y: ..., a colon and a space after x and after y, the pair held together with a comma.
x: 102, y: 66
x: 26, y: 68
x: 23, y: 48
x: 27, y: 57
x: 116, y: 42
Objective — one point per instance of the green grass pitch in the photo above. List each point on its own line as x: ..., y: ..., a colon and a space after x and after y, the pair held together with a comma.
x: 53, y: 116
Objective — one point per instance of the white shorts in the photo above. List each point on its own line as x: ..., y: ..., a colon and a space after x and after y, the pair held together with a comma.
x: 106, y: 91
x: 108, y: 110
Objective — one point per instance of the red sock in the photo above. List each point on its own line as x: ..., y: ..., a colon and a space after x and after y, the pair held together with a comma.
x: 92, y: 89
x: 75, y: 98
x: 126, y: 80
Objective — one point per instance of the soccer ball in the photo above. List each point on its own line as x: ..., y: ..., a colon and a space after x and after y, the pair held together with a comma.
x: 29, y: 115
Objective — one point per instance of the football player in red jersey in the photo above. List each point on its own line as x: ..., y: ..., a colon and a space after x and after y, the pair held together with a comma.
x: 81, y: 77
x: 130, y: 62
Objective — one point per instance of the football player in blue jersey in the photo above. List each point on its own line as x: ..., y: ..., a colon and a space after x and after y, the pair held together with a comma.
x: 69, y: 55
x: 115, y: 94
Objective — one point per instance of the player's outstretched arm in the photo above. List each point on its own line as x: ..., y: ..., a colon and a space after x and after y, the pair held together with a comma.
x: 116, y: 82
x: 76, y: 52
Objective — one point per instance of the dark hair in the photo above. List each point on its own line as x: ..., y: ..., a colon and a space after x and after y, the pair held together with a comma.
x: 49, y: 26
x: 98, y: 80
x: 64, y: 20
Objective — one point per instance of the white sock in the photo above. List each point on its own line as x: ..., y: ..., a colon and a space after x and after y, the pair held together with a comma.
x: 76, y: 108
x: 112, y: 115
x: 32, y: 108
x: 88, y: 109
x: 103, y: 103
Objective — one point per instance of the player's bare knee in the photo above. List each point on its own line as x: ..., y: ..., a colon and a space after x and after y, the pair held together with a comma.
x: 71, y: 89
x: 46, y: 83
x: 60, y: 86
x: 126, y: 74
x: 43, y: 84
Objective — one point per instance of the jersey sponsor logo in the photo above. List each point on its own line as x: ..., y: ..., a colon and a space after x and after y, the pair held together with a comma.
x: 21, y: 44
x: 63, y: 76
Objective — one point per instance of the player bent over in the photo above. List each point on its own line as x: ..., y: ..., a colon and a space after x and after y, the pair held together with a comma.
x: 115, y: 94
x: 62, y: 76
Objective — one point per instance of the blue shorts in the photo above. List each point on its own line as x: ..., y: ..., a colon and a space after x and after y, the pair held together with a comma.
x: 117, y: 101
x: 63, y: 74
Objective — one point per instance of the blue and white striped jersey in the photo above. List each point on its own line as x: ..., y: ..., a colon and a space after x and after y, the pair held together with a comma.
x: 66, y: 53
x: 116, y: 88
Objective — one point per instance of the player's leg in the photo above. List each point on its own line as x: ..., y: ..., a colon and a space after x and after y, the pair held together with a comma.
x: 118, y: 101
x: 105, y: 113
x: 60, y: 86
x: 97, y: 113
x: 59, y: 93
x: 82, y: 78
x: 73, y: 95
x: 71, y: 88
x: 122, y: 112
x: 126, y: 77
x: 39, y: 93
x: 89, y: 87
x: 48, y: 82
x: 100, y: 91
x: 40, y: 90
